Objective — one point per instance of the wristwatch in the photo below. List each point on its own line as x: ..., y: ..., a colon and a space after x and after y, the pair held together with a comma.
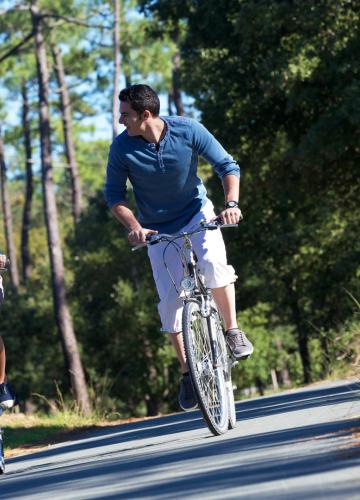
x: 231, y: 204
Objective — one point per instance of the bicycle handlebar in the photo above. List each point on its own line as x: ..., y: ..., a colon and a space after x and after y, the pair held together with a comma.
x: 153, y: 239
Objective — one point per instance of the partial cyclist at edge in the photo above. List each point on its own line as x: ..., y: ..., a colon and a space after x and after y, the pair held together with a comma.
x: 159, y: 156
x: 7, y: 395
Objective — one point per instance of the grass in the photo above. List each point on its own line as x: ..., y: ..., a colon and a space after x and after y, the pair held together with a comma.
x: 23, y: 433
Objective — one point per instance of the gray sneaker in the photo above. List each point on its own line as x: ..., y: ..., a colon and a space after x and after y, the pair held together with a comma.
x: 240, y: 346
x: 187, y: 396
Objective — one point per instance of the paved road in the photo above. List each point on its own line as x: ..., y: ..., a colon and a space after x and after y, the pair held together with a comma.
x: 295, y: 445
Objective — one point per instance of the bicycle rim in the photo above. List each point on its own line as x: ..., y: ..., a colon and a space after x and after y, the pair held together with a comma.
x: 2, y: 458
x: 209, y: 382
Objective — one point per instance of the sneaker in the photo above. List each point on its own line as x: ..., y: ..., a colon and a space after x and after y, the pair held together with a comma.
x: 239, y: 345
x: 187, y: 396
x: 7, y: 397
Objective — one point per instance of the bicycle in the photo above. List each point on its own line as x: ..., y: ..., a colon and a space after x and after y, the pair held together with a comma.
x: 2, y: 456
x: 209, y: 359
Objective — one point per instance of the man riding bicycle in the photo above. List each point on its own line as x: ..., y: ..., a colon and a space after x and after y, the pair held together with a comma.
x: 7, y: 397
x: 159, y: 155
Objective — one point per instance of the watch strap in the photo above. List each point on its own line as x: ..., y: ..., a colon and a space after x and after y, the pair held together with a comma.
x: 231, y: 204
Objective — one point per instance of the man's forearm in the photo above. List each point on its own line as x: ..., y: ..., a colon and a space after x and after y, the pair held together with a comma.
x: 231, y: 185
x: 126, y: 217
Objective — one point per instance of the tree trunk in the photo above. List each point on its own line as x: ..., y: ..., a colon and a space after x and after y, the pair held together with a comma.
x: 127, y: 80
x: 152, y: 398
x: 76, y: 194
x: 170, y: 113
x: 260, y: 386
x: 176, y: 93
x: 25, y: 254
x: 302, y: 334
x: 326, y: 355
x: 284, y: 371
x: 274, y: 379
x: 116, y: 35
x: 62, y: 313
x: 6, y: 208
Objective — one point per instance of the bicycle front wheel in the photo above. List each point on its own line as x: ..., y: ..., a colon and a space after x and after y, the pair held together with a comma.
x: 2, y: 457
x: 227, y: 364
x: 207, y: 373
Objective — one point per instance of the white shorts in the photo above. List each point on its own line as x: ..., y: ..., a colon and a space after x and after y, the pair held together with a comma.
x: 212, y: 263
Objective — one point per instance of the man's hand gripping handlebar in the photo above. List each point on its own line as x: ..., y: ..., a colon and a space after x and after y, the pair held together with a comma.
x: 153, y: 239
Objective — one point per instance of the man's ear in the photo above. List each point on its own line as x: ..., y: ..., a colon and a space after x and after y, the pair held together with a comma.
x: 146, y: 115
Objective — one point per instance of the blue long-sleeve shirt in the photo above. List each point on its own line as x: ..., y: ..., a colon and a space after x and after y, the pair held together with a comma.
x: 166, y: 185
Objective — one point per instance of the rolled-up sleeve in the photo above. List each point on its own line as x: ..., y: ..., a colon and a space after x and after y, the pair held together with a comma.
x: 212, y: 151
x: 116, y: 177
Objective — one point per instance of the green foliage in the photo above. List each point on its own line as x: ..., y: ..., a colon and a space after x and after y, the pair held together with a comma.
x: 275, y: 349
x: 116, y: 318
x: 277, y: 84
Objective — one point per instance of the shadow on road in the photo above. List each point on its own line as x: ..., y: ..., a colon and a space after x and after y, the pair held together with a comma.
x: 290, y: 402
x: 267, y: 464
x: 175, y: 424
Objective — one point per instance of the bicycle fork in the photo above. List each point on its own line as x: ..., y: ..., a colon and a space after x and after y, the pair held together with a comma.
x: 216, y: 358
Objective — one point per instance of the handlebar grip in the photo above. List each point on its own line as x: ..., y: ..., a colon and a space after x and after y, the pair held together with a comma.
x: 137, y: 247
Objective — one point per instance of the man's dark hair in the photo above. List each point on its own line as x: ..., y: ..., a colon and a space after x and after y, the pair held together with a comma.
x: 141, y: 97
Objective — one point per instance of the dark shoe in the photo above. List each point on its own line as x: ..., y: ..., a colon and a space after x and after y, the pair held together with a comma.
x: 7, y: 396
x: 187, y: 397
x: 238, y: 343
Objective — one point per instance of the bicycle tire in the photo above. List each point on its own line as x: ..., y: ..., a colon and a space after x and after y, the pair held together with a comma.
x: 227, y: 362
x: 2, y: 457
x: 208, y: 382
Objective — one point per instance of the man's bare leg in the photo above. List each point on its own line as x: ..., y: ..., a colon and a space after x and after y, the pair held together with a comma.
x: 178, y: 343
x: 225, y: 300
x: 239, y: 344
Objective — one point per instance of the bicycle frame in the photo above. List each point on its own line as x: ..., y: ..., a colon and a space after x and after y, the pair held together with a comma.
x: 191, y: 282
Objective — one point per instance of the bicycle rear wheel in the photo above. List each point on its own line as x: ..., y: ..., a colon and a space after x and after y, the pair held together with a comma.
x: 208, y: 380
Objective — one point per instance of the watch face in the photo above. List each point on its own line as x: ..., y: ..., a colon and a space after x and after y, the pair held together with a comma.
x: 231, y: 204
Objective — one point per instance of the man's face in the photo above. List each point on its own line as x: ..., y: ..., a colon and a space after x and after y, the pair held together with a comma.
x: 131, y: 119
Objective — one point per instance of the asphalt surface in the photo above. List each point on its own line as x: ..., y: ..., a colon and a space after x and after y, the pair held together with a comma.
x: 301, y: 444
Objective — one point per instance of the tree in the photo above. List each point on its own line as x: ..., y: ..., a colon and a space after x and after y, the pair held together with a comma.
x: 76, y: 192
x: 8, y: 225
x: 25, y: 254
x: 116, y: 35
x: 62, y: 312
